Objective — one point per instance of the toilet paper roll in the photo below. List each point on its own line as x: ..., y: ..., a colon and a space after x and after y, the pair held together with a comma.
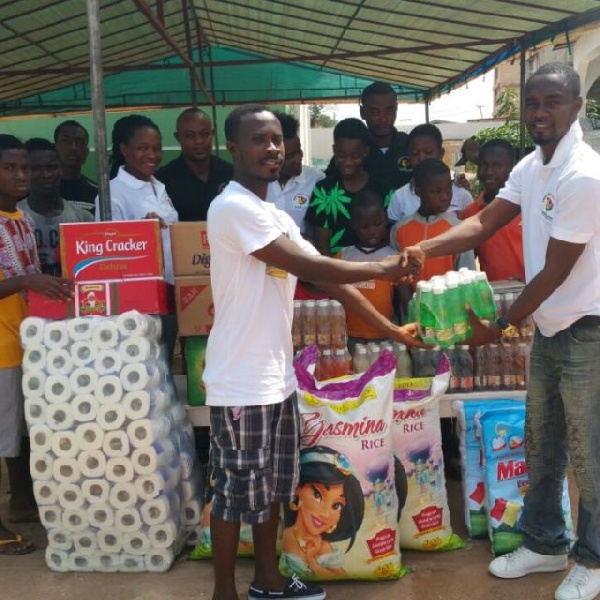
x: 92, y: 463
x: 137, y: 350
x: 140, y: 377
x: 116, y: 444
x: 33, y: 384
x: 95, y: 490
x: 136, y: 405
x: 108, y: 362
x: 75, y: 520
x: 156, y: 511
x: 189, y: 490
x: 85, y: 543
x: 136, y: 543
x: 131, y: 564
x: 57, y: 560
x: 187, y: 462
x: 162, y: 535
x: 34, y: 358
x: 105, y: 334
x: 108, y: 390
x: 60, y: 539
x: 80, y: 562
x: 89, y: 436
x: 83, y: 380
x: 134, y: 324
x: 159, y: 560
x: 60, y: 417
x: 122, y: 495
x: 150, y: 486
x: 64, y: 444
x: 80, y: 328
x: 56, y: 334
x: 110, y: 416
x: 41, y: 466
x: 70, y: 496
x: 193, y: 535
x: 83, y: 353
x: 45, y: 492
x: 106, y: 562
x: 85, y: 408
x: 192, y: 513
x: 110, y: 540
x: 146, y: 432
x: 127, y: 520
x: 58, y: 362
x: 101, y: 515
x: 57, y: 389
x: 32, y: 331
x: 66, y: 470
x: 50, y: 516
x: 35, y: 411
x: 150, y: 459
x: 40, y: 437
x: 119, y: 469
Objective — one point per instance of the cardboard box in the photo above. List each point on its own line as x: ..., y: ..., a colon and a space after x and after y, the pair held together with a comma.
x: 189, y: 248
x: 150, y: 296
x: 111, y: 250
x: 195, y: 360
x: 194, y: 305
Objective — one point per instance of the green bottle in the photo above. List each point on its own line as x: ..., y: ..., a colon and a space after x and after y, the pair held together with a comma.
x: 426, y: 317
x: 486, y: 306
x: 444, y: 331
x: 456, y: 309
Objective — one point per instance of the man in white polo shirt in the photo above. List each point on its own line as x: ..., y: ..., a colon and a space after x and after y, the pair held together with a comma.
x: 557, y: 191
x: 293, y: 189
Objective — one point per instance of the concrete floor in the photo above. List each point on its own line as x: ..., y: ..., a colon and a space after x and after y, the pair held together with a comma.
x: 453, y: 575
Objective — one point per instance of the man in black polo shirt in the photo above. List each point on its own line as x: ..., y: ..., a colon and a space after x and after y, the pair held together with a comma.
x: 388, y: 158
x: 195, y: 177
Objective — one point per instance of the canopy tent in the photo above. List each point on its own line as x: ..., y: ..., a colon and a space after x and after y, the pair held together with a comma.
x: 180, y: 52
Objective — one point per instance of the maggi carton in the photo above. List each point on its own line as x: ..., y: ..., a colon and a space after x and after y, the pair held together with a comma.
x: 194, y: 304
x: 111, y: 250
x: 189, y: 247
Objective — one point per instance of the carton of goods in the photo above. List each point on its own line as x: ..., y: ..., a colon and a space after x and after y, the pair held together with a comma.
x: 189, y: 248
x: 195, y: 353
x: 92, y: 298
x: 111, y: 250
x: 194, y: 305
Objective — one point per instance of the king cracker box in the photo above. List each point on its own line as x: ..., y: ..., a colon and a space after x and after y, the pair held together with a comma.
x: 194, y: 305
x: 189, y: 248
x: 109, y: 250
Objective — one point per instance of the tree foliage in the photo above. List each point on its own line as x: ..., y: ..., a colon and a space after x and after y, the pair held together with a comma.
x: 318, y: 117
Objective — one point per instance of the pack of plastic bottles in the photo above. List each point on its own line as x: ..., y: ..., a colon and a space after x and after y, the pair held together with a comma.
x: 321, y: 322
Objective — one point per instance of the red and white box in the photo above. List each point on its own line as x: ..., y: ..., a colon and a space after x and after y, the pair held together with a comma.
x: 194, y: 304
x: 149, y: 296
x: 111, y: 250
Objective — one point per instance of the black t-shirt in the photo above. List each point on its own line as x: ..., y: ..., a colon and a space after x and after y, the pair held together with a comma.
x: 329, y: 208
x: 191, y: 196
x: 393, y: 165
x: 82, y: 192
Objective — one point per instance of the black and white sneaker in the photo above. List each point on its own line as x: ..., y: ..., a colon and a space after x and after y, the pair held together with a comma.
x: 295, y: 589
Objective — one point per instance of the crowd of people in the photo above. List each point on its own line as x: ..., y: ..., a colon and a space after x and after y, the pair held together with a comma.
x: 278, y: 228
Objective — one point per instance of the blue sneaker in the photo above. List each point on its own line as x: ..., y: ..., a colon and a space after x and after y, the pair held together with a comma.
x: 295, y: 589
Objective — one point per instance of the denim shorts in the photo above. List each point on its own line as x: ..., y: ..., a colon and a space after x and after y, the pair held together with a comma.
x: 254, y: 458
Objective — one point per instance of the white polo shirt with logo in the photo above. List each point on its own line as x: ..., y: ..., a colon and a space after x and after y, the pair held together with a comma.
x: 561, y: 200
x: 295, y: 195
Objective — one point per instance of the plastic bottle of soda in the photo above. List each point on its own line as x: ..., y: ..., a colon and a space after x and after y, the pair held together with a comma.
x: 523, y: 351
x: 494, y: 378
x: 509, y: 353
x: 297, y: 326
x: 486, y: 306
x: 411, y: 309
x: 456, y: 309
x: 425, y: 313
x: 435, y: 355
x: 360, y: 360
x: 373, y: 352
x: 465, y: 367
x: 341, y: 365
x: 453, y: 386
x: 323, y: 324
x: 498, y: 303
x: 418, y: 360
x: 338, y: 325
x: 444, y: 332
x: 403, y: 362
x: 479, y: 366
x: 468, y: 295
x: 309, y: 323
x: 325, y: 365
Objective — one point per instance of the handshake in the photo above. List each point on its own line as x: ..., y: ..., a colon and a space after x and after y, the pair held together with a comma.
x: 404, y: 267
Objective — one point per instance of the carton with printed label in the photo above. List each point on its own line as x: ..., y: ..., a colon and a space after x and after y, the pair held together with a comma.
x: 194, y: 305
x: 189, y: 248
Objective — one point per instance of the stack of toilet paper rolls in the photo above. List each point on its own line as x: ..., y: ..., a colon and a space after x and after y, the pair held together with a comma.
x: 112, y: 452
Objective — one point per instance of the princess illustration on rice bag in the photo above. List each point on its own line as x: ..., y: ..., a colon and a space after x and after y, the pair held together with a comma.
x: 328, y: 508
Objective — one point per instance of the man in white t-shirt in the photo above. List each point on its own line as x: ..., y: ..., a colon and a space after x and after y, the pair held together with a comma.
x: 257, y: 252
x: 294, y: 187
x: 557, y: 191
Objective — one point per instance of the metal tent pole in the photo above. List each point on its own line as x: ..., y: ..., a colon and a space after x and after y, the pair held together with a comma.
x: 522, y: 104
x: 98, y: 108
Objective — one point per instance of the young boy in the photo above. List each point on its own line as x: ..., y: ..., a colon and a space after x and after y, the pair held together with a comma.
x: 19, y: 272
x: 500, y: 256
x: 369, y: 223
x: 329, y: 208
x: 424, y: 141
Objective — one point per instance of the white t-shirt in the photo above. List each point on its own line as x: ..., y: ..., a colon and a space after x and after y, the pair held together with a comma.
x: 561, y: 200
x: 295, y: 195
x: 132, y: 198
x: 405, y: 202
x: 249, y: 353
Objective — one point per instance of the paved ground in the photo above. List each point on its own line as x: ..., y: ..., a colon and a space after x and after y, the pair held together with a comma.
x: 456, y: 575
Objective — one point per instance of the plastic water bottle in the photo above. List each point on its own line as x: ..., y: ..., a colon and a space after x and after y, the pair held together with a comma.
x: 486, y: 309
x: 309, y: 323
x: 325, y: 365
x: 456, y: 309
x: 360, y: 360
x: 425, y: 312
x: 444, y: 332
x: 404, y: 366
x: 297, y: 325
x: 338, y: 325
x: 373, y: 352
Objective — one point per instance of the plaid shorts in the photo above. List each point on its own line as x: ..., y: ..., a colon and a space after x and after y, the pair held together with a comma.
x: 254, y: 457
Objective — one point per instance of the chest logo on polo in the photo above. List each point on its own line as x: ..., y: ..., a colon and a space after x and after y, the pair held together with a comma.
x: 404, y: 163
x: 548, y: 203
x: 300, y: 201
